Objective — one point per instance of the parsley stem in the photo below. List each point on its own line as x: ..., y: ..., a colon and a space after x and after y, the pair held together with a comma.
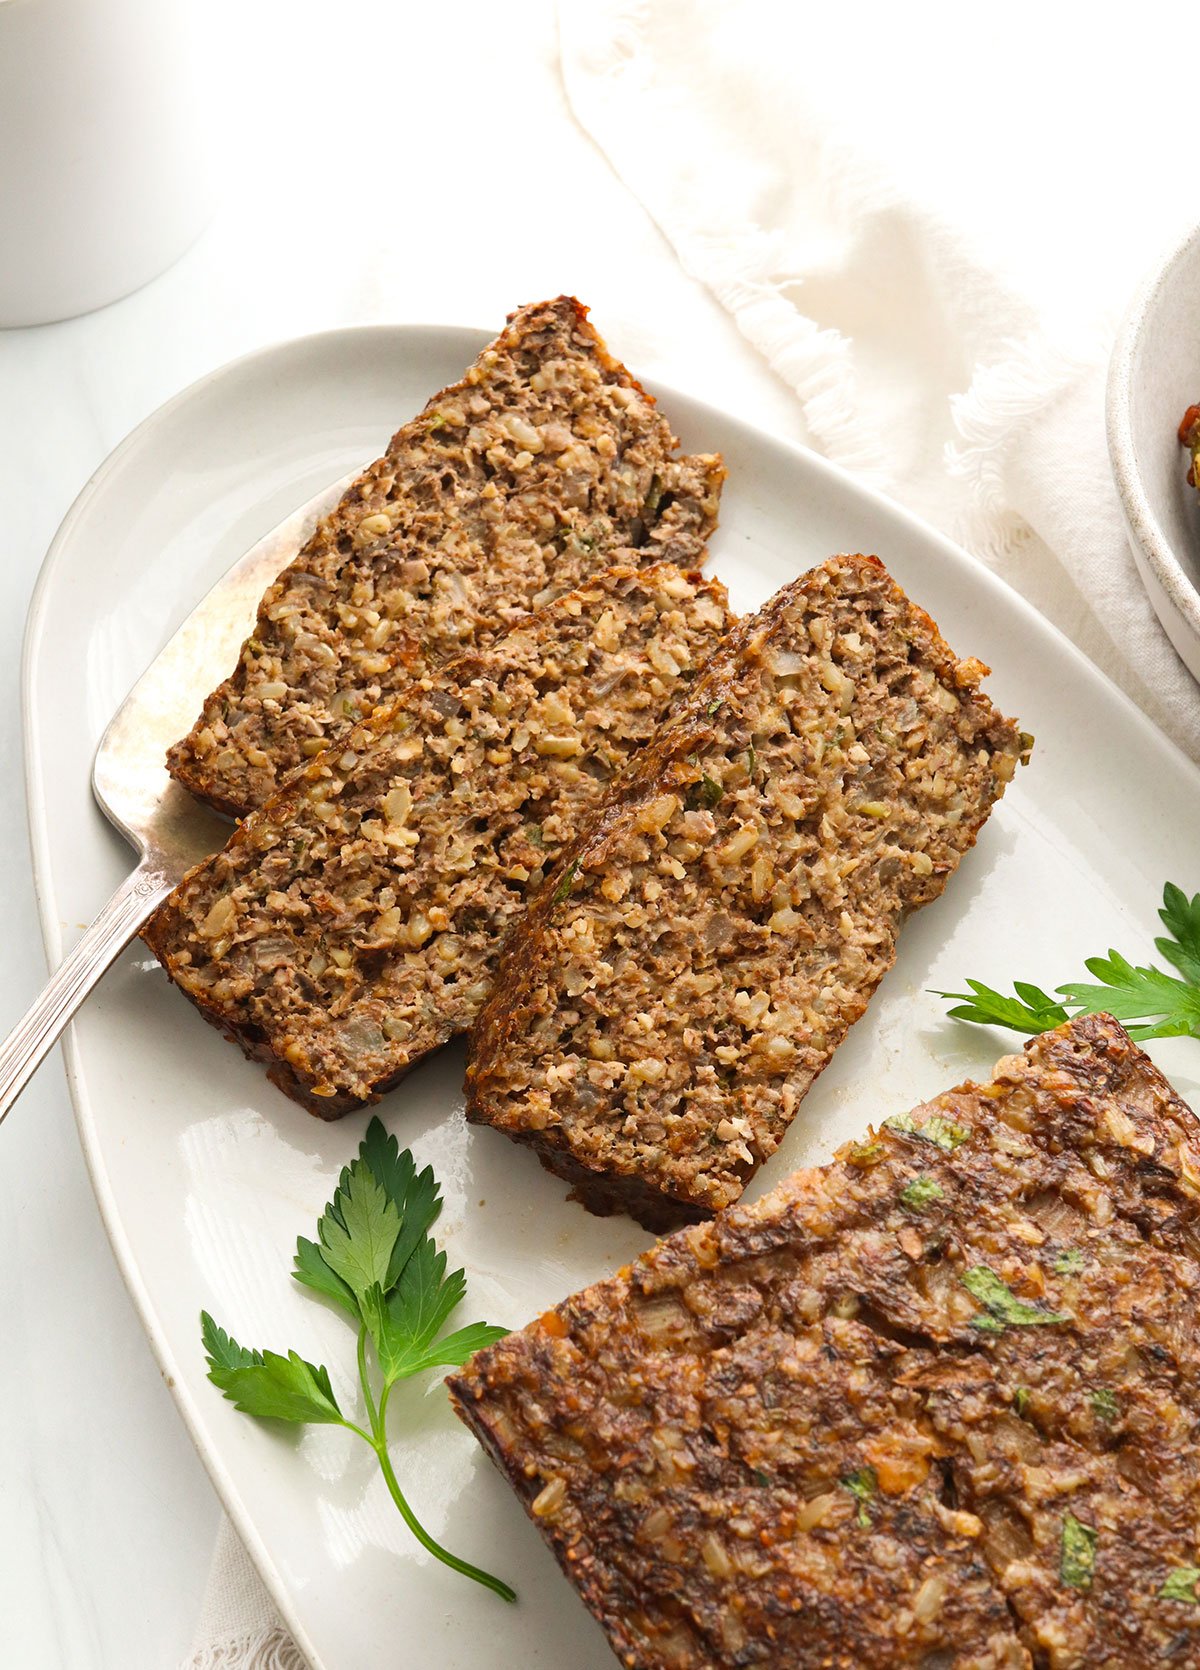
x: 495, y: 1584
x: 364, y: 1378
x: 351, y: 1426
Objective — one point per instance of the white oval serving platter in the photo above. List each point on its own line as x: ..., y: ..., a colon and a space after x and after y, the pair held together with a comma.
x: 205, y: 1174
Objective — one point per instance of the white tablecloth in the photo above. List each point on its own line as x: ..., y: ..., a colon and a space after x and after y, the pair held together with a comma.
x: 902, y: 236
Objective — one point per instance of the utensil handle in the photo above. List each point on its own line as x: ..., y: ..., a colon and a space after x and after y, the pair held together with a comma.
x: 23, y: 1050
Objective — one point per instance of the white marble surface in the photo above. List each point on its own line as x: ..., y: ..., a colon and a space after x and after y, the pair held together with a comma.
x: 376, y: 163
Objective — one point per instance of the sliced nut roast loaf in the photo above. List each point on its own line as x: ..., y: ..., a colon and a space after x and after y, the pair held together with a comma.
x: 734, y: 901
x: 935, y: 1404
x: 349, y: 926
x: 512, y: 486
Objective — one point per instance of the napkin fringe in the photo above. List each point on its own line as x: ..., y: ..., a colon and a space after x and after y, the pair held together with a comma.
x: 268, y: 1649
x: 990, y: 418
x: 814, y: 360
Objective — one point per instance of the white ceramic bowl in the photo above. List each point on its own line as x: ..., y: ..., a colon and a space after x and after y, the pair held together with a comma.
x: 105, y: 148
x: 1153, y: 379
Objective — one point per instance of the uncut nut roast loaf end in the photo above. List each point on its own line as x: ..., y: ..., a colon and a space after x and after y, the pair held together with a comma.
x: 350, y: 925
x: 511, y: 487
x: 734, y: 900
x: 932, y: 1406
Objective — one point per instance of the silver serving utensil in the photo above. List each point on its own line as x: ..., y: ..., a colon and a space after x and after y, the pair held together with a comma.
x: 169, y: 830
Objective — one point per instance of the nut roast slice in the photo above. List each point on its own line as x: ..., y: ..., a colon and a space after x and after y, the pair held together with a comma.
x: 512, y: 486
x: 732, y: 903
x: 935, y: 1404
x: 350, y: 925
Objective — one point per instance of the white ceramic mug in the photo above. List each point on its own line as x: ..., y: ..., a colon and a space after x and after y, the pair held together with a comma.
x: 104, y: 177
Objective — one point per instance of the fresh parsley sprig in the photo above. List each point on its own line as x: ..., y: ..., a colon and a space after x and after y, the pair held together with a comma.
x: 1149, y: 1001
x: 375, y: 1259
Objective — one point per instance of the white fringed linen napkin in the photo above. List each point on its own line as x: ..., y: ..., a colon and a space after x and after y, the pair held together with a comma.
x: 928, y: 222
x: 239, y: 1628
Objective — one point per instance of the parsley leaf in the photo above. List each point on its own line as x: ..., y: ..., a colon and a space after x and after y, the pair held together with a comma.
x: 861, y: 1484
x: 1032, y: 1010
x: 312, y: 1271
x: 358, y: 1229
x: 707, y: 793
x: 405, y: 1324
x: 1069, y: 1262
x: 1104, y: 1404
x: 415, y: 1195
x: 1002, y: 1304
x: 901, y: 1122
x: 1137, y: 994
x: 1077, y: 1553
x: 1150, y: 1002
x: 918, y: 1193
x: 426, y: 1295
x: 565, y: 883
x: 1181, y: 1585
x: 942, y: 1133
x: 375, y: 1259
x: 265, y: 1384
x: 1182, y: 916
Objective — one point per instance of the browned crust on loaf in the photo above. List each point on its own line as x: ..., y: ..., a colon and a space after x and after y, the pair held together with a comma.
x: 604, y: 1196
x: 441, y: 544
x: 587, y: 1121
x: 796, y: 1435
x: 348, y: 927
